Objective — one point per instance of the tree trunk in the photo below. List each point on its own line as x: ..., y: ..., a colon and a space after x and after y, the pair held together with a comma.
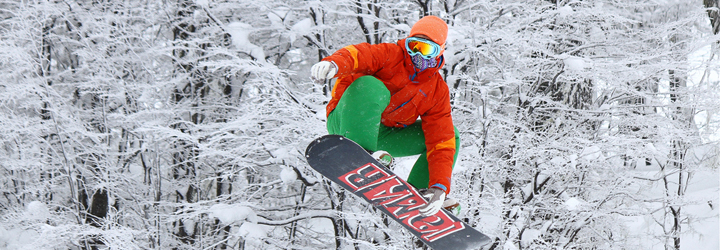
x: 192, y: 93
x: 713, y: 10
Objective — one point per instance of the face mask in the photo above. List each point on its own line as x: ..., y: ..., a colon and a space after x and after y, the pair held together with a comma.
x: 422, y: 63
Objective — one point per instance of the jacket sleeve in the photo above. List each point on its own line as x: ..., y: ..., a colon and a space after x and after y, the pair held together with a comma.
x: 440, y: 139
x: 356, y: 60
x: 362, y: 58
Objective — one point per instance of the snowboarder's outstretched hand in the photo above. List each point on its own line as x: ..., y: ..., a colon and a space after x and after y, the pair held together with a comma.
x: 435, y: 198
x: 323, y: 70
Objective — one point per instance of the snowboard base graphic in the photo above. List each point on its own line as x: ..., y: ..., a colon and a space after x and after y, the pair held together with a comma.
x: 350, y: 166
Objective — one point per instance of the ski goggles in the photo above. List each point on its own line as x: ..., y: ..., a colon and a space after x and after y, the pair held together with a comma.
x: 426, y: 48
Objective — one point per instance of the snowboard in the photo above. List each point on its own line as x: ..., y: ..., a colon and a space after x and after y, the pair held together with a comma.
x: 346, y: 163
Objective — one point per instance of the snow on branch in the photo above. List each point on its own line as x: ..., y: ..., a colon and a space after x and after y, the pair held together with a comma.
x: 330, y: 214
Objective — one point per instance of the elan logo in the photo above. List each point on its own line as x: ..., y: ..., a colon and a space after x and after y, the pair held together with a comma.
x: 395, y: 196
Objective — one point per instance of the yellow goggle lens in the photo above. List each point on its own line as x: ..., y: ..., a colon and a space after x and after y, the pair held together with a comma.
x: 423, y: 48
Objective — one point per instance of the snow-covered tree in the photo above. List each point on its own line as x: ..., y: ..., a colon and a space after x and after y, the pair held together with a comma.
x: 182, y: 124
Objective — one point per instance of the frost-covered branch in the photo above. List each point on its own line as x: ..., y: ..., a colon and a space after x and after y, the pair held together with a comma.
x: 329, y: 214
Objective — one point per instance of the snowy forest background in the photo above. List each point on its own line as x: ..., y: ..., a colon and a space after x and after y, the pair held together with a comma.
x: 180, y: 124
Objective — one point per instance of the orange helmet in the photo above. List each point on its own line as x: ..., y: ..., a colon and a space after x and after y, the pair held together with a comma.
x: 433, y: 27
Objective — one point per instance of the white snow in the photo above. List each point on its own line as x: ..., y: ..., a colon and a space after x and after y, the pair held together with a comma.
x: 700, y: 231
x: 403, y: 165
x: 565, y: 11
x: 136, y: 172
x: 37, y: 210
x: 281, y: 153
x: 321, y: 225
x: 404, y: 27
x: 529, y: 235
x: 704, y: 192
x: 252, y: 233
x: 229, y: 214
x: 276, y: 17
x: 574, y: 63
x: 321, y: 114
x: 288, y: 176
x: 572, y: 204
x: 252, y: 230
x: 591, y: 153
x: 18, y: 239
x: 597, y: 34
x: 202, y: 3
x: 509, y: 246
x: 301, y: 28
x: 558, y: 161
x: 240, y: 33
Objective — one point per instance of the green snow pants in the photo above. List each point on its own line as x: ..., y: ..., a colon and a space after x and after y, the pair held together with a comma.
x: 357, y: 117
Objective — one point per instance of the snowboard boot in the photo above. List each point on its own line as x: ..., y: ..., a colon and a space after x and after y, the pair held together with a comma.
x: 384, y: 158
x: 452, y: 206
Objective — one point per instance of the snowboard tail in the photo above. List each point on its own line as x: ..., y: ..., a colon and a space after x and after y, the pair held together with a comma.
x: 350, y: 166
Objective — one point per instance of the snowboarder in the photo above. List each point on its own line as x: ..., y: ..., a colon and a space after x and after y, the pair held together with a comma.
x: 380, y: 92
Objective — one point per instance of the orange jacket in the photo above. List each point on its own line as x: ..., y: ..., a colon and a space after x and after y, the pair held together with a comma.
x: 424, y: 94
